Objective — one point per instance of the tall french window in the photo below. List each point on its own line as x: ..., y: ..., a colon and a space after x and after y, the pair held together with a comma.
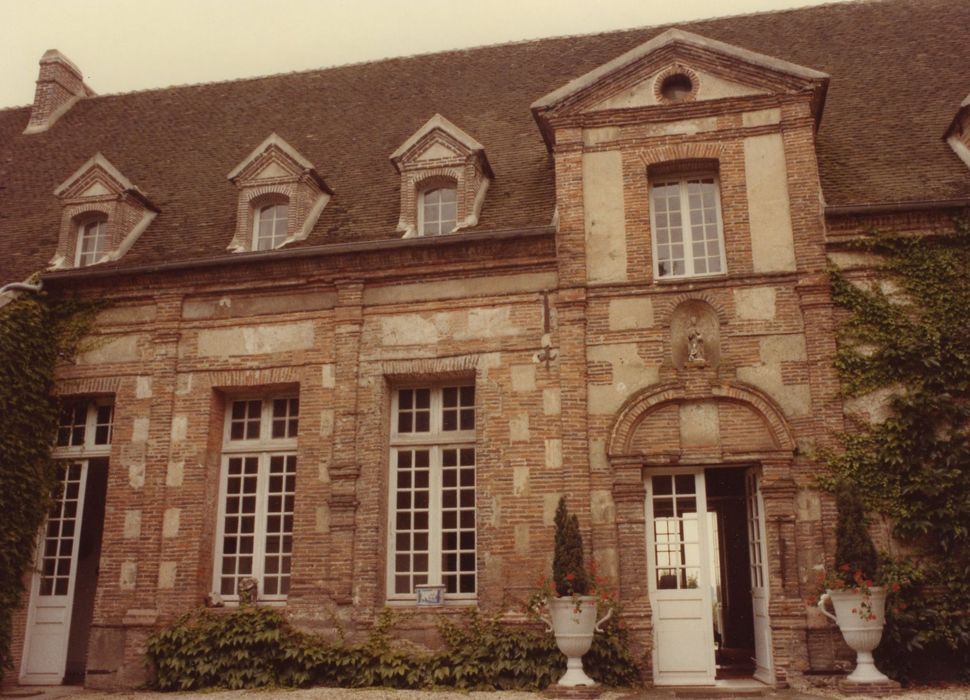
x: 432, y: 492
x: 257, y: 489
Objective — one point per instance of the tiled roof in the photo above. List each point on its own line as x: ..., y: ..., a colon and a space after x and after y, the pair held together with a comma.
x: 898, y: 72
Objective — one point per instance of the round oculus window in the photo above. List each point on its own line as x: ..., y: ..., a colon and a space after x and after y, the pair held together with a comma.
x: 677, y: 87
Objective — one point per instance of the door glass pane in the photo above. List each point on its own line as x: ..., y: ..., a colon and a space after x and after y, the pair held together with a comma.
x: 62, y: 523
x: 677, y: 550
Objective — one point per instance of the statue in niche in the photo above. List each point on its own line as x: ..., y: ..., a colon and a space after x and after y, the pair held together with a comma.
x: 248, y: 590
x: 695, y: 343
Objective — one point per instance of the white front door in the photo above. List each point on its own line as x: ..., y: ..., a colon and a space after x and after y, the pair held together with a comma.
x: 764, y: 670
x: 678, y: 559
x: 52, y: 590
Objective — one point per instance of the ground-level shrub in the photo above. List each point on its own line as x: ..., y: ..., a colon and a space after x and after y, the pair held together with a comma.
x: 256, y: 647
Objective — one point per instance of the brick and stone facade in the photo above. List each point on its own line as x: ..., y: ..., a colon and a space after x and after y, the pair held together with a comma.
x: 592, y: 372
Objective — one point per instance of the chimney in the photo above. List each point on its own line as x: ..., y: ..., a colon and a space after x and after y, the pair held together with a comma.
x: 59, y: 86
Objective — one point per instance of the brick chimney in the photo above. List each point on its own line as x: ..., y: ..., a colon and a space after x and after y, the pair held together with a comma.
x: 59, y: 86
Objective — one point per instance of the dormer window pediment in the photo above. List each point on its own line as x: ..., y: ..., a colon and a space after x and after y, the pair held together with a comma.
x: 281, y: 197
x: 103, y: 214
x: 674, y: 68
x: 444, y: 177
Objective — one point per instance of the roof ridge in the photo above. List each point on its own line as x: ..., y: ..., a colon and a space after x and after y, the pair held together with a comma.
x: 469, y: 49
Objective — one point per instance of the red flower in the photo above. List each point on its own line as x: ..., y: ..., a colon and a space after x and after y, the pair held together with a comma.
x: 570, y: 577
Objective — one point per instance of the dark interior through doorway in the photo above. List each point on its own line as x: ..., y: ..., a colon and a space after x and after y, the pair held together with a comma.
x: 86, y: 581
x: 733, y: 615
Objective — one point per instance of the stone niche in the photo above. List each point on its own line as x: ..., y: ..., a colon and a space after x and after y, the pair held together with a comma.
x: 695, y: 335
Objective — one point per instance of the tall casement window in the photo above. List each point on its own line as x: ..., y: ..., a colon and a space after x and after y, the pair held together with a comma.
x: 92, y: 242
x: 83, y: 434
x: 270, y: 228
x: 439, y: 211
x: 432, y: 492
x: 258, y: 483
x: 685, y: 215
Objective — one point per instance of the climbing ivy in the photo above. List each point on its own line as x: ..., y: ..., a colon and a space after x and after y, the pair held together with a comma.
x: 35, y: 334
x: 908, y: 334
x: 254, y: 647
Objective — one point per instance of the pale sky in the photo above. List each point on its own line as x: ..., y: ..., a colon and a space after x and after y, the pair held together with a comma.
x: 125, y: 45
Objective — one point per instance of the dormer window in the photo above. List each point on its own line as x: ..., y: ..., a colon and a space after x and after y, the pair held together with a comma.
x: 102, y: 215
x: 281, y: 197
x: 444, y: 178
x: 438, y: 211
x: 92, y: 242
x: 271, y: 226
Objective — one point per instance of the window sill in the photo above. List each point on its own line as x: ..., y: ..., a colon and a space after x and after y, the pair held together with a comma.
x: 453, y: 604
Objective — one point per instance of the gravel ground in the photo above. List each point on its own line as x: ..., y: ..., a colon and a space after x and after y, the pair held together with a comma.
x: 926, y: 693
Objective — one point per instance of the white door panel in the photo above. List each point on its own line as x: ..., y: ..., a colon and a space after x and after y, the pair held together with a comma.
x: 680, y: 592
x: 764, y: 670
x: 52, y: 588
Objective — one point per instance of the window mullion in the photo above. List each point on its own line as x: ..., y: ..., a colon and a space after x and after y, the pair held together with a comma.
x: 434, y: 535
x: 259, y: 529
x: 90, y: 425
x: 687, y: 226
x: 221, y: 525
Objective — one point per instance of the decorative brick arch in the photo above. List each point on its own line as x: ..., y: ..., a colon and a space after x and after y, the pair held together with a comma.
x: 281, y: 191
x: 681, y: 151
x: 640, y: 405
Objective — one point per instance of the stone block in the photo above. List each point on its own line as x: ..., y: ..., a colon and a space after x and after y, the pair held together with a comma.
x: 175, y: 473
x: 699, y: 425
x: 256, y: 340
x: 132, y: 526
x: 553, y: 453
x: 551, y: 402
x: 129, y: 575
x: 523, y: 378
x: 602, y: 509
x: 519, y: 427
x: 170, y: 522
x: 143, y: 387
x: 630, y: 313
x: 754, y: 303
x: 166, y: 574
x: 520, y: 481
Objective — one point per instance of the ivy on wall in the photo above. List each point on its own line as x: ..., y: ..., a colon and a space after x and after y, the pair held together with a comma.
x: 254, y: 647
x: 35, y: 334
x: 908, y: 335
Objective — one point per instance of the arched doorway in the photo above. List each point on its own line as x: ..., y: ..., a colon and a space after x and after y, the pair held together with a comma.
x: 702, y: 455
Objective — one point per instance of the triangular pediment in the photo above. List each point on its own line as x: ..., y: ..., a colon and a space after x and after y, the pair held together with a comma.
x: 645, y: 93
x: 437, y: 149
x: 712, y: 70
x: 438, y: 139
x: 96, y: 178
x: 274, y: 159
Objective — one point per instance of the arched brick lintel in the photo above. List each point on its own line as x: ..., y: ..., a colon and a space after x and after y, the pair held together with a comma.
x: 639, y: 405
x: 681, y: 151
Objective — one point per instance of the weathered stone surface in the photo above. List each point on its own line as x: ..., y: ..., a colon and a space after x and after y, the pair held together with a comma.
x: 772, y: 240
x: 255, y: 340
x: 754, y: 303
x: 605, y: 223
x: 630, y: 313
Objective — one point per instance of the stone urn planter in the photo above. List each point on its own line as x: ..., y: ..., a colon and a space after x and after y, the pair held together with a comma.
x: 573, y: 622
x: 860, y: 617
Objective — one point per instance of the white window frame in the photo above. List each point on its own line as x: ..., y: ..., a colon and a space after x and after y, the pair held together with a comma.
x: 276, y: 239
x: 264, y: 447
x: 682, y: 179
x: 84, y: 258
x: 421, y: 219
x: 435, y: 440
x: 89, y: 446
